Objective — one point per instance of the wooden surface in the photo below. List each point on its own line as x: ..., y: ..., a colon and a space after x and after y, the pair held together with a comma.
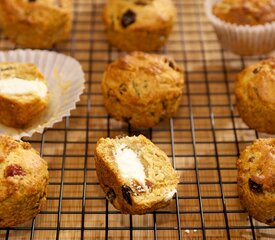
x: 203, y: 142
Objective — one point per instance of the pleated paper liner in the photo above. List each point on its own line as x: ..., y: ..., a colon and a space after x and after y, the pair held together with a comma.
x: 242, y: 39
x: 65, y: 79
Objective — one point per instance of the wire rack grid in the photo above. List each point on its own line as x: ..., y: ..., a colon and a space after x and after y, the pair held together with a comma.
x: 203, y: 142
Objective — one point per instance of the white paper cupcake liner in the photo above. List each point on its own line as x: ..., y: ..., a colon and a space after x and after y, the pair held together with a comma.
x: 243, y: 40
x: 65, y: 79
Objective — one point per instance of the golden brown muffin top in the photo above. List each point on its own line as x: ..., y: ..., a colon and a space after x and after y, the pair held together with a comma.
x: 139, y: 14
x: 245, y: 12
x: 257, y: 82
x: 257, y: 163
x: 142, y: 78
x: 49, y: 3
x: 34, y: 11
x: 21, y: 167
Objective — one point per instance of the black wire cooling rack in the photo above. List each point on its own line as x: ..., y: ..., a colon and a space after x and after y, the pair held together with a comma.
x: 203, y: 142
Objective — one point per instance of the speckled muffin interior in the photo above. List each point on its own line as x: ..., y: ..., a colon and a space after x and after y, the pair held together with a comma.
x: 128, y: 194
x: 245, y: 12
x: 142, y: 89
x: 17, y: 110
x: 255, y: 91
x: 256, y: 180
x: 36, y: 23
x: 142, y: 25
x: 23, y: 177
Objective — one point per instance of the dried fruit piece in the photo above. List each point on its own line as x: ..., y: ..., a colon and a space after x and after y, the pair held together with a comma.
x: 122, y: 88
x: 111, y: 195
x: 269, y: 221
x: 6, y: 69
x: 251, y: 159
x: 14, y: 170
x: 126, y: 193
x: 149, y: 184
x: 128, y: 18
x: 257, y: 69
x: 255, y: 187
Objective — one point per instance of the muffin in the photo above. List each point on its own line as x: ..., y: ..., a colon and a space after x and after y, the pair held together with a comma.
x: 36, y: 23
x: 24, y: 177
x: 256, y: 180
x: 23, y: 94
x: 245, y: 12
x: 255, y: 91
x: 245, y: 27
x: 142, y: 25
x: 136, y: 176
x: 142, y: 89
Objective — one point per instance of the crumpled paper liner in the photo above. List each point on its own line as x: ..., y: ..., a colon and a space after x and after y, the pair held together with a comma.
x: 65, y: 79
x: 243, y: 40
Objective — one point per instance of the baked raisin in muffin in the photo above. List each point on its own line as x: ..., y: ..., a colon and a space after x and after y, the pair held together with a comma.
x: 256, y: 180
x: 36, y: 23
x: 255, y: 91
x: 142, y: 89
x: 136, y: 176
x: 23, y: 94
x: 24, y: 177
x: 142, y: 25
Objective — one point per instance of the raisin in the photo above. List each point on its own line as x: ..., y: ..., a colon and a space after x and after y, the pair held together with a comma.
x: 171, y: 65
x: 256, y: 70
x: 111, y: 195
x: 128, y: 18
x: 126, y: 193
x: 32, y: 0
x: 122, y: 88
x: 149, y: 184
x: 6, y: 69
x: 14, y: 170
x: 141, y: 3
x: 269, y: 221
x: 251, y: 159
x: 255, y: 187
x: 126, y: 119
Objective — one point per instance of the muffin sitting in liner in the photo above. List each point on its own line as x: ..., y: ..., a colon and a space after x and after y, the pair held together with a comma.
x: 23, y: 94
x: 245, y: 27
x: 142, y: 25
x: 36, y: 23
x: 136, y: 176
x: 256, y: 180
x: 24, y: 177
x: 142, y: 89
x: 255, y: 95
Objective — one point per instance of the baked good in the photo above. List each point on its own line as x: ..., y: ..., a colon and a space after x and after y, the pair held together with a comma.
x: 142, y: 89
x: 245, y: 27
x: 136, y: 176
x: 142, y: 25
x: 23, y: 94
x: 36, y: 23
x: 256, y: 180
x: 23, y: 177
x: 245, y: 12
x: 255, y: 91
